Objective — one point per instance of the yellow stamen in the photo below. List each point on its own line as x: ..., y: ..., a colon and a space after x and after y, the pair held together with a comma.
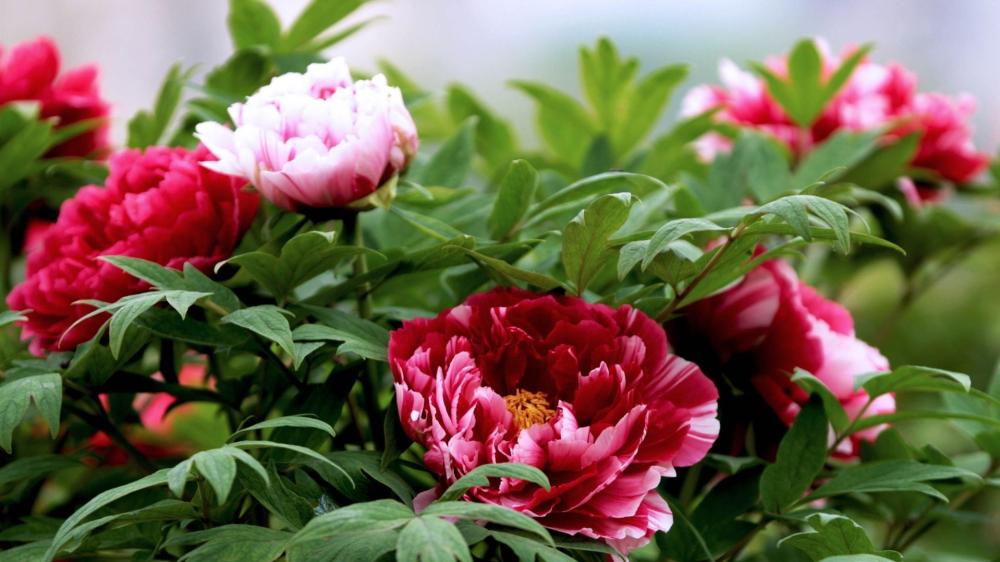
x: 529, y: 408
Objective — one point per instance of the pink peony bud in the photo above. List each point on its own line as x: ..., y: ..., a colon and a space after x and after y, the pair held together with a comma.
x: 315, y: 140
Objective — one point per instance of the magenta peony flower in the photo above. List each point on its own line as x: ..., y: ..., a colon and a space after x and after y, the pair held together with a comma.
x: 160, y: 205
x: 589, y: 394
x: 29, y: 72
x: 875, y: 96
x: 315, y: 140
x: 758, y: 332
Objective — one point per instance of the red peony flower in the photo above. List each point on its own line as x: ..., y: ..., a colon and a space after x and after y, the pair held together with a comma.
x: 589, y: 394
x: 874, y: 97
x: 758, y: 332
x: 161, y: 205
x: 30, y: 72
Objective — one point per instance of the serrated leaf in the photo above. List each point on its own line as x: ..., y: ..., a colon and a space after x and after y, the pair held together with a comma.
x: 801, y: 455
x: 585, y: 247
x: 44, y: 391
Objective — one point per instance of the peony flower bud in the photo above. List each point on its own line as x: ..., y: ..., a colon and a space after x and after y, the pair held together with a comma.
x: 316, y: 140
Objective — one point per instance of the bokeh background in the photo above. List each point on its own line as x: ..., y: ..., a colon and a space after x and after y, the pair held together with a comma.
x: 952, y: 46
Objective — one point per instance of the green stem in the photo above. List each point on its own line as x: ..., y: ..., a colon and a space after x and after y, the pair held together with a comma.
x: 369, y: 378
x: 668, y: 311
x: 206, y: 501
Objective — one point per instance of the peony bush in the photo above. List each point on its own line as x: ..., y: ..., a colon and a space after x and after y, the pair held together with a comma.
x: 311, y: 312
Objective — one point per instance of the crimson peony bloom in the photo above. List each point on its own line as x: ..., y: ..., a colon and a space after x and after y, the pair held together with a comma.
x: 589, y: 394
x: 316, y: 140
x: 875, y: 96
x: 159, y: 205
x: 30, y: 72
x: 755, y: 334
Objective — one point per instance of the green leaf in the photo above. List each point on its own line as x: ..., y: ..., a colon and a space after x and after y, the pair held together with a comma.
x: 514, y: 197
x: 835, y: 413
x: 796, y: 210
x: 218, y: 467
x: 494, y: 136
x: 480, y: 476
x: 267, y: 321
x: 511, y: 272
x: 914, y: 378
x: 674, y: 230
x: 451, y: 162
x: 528, y: 549
x: 232, y: 543
x: 30, y: 552
x: 363, y: 466
x: 253, y: 22
x: 605, y: 78
x: 562, y: 122
x: 830, y: 160
x: 430, y: 226
x: 885, y: 164
x: 834, y: 535
x: 431, y: 539
x: 31, y: 468
x: 801, y: 456
x: 303, y: 451
x: 859, y: 558
x: 360, y: 336
x: 316, y: 18
x: 11, y: 316
x: 891, y: 476
x: 645, y: 104
x: 44, y: 391
x: 488, y: 512
x: 300, y: 421
x: 19, y: 153
x: 361, y: 531
x: 66, y: 530
x: 161, y: 277
x: 585, y: 248
x: 145, y: 128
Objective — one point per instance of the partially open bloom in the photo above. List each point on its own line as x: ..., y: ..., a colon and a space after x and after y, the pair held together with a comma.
x: 30, y: 72
x: 589, y: 394
x: 157, y: 414
x: 875, y: 97
x: 315, y: 140
x: 758, y: 332
x: 160, y: 205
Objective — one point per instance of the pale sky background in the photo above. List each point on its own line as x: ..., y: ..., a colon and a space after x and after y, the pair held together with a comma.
x: 952, y: 45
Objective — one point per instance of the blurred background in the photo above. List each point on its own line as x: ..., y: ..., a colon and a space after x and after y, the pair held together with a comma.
x: 948, y: 44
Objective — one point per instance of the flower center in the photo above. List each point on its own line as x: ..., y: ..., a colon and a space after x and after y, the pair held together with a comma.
x: 529, y: 408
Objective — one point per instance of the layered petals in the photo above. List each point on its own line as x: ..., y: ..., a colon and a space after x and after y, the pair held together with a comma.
x: 589, y: 394
x: 30, y: 72
x: 160, y: 205
x: 315, y: 140
x: 761, y: 330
